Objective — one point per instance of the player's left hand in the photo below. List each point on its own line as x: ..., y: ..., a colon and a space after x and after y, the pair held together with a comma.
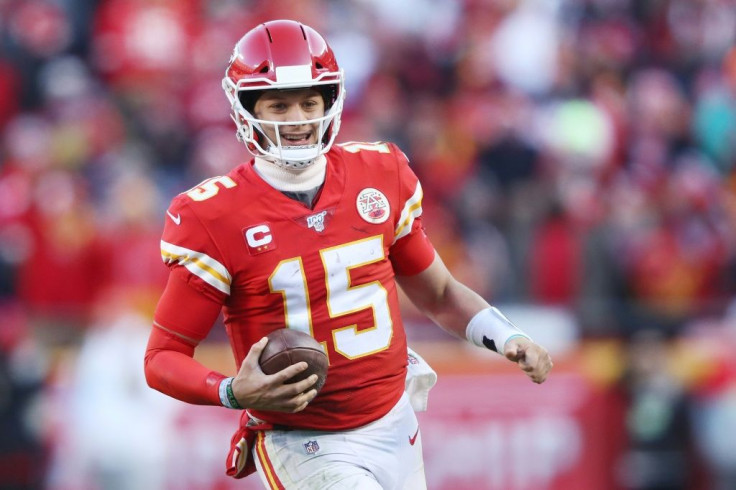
x: 532, y: 358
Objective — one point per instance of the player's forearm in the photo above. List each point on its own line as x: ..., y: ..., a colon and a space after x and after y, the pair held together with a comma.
x: 455, y: 308
x: 447, y: 302
x: 170, y: 368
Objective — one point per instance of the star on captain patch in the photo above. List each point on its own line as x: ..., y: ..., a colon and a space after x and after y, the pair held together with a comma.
x: 311, y: 447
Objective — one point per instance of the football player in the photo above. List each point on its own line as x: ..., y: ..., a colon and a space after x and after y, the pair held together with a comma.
x: 314, y: 236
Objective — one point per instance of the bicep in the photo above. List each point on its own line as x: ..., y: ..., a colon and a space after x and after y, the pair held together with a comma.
x: 426, y: 288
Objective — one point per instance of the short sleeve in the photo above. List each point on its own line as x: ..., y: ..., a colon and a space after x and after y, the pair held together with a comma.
x: 187, y: 243
x: 411, y: 251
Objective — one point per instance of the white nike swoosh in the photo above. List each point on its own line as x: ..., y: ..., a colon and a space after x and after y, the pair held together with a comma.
x: 176, y: 219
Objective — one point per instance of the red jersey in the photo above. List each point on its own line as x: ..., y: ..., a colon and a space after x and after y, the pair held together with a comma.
x: 328, y: 271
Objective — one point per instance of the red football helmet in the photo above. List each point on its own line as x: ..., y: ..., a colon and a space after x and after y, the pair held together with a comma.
x: 283, y: 54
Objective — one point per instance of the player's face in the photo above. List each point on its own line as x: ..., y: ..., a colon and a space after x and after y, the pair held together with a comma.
x: 298, y: 106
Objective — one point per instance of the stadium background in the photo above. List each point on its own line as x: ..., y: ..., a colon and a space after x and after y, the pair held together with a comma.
x: 578, y: 160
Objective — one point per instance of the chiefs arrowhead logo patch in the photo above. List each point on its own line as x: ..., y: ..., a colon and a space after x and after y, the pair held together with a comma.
x: 373, y: 205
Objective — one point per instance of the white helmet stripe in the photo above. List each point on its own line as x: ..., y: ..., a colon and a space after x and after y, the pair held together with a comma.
x: 294, y: 74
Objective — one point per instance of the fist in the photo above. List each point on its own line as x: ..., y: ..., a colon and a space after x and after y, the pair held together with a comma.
x: 532, y: 358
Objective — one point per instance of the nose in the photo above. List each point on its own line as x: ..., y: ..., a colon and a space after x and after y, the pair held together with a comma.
x: 296, y: 113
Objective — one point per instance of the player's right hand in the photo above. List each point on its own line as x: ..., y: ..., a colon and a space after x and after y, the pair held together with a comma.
x: 260, y: 391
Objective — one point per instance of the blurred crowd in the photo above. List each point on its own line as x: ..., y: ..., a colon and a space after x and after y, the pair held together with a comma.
x: 579, y: 154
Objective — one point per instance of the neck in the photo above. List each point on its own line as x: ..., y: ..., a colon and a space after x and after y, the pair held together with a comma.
x: 289, y: 179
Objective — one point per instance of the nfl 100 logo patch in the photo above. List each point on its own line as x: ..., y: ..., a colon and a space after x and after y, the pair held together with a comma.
x: 311, y: 447
x: 317, y: 221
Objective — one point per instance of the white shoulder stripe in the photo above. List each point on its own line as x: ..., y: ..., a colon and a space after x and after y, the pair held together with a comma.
x: 412, y: 209
x: 201, y: 265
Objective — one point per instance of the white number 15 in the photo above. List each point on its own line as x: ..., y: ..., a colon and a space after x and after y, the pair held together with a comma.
x: 343, y: 297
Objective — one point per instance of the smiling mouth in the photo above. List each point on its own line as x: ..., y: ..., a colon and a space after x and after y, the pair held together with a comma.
x: 297, y: 139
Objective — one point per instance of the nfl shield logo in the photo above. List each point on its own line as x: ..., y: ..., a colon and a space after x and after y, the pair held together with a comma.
x: 311, y: 447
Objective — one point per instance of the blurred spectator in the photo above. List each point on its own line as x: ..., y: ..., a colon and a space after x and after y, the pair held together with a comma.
x: 111, y: 434
x: 714, y: 393
x: 66, y: 267
x: 10, y: 88
x: 23, y: 373
x: 659, y: 430
x: 555, y: 262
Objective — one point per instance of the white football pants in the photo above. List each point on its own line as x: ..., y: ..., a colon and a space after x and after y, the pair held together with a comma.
x: 383, y: 455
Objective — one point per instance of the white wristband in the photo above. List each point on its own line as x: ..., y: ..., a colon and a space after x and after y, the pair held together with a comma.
x: 223, y: 391
x: 489, y: 328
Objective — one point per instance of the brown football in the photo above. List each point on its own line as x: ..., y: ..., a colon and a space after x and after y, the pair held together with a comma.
x: 287, y: 346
